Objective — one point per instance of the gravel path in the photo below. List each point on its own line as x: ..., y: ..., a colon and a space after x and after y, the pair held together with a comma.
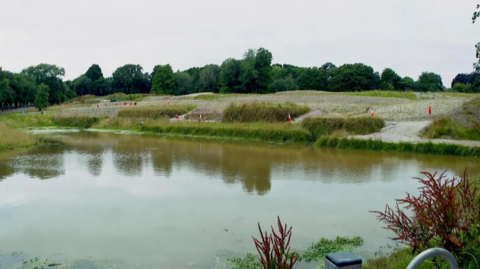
x: 409, y: 132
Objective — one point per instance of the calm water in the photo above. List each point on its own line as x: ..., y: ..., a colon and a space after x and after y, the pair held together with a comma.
x: 151, y: 202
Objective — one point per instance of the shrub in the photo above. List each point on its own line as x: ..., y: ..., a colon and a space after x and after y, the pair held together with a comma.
x: 274, y: 250
x: 255, y: 112
x: 76, y: 121
x: 359, y: 126
x: 446, y: 214
x: 155, y: 112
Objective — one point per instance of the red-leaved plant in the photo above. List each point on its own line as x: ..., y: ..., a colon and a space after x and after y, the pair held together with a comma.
x: 274, y: 249
x: 443, y: 209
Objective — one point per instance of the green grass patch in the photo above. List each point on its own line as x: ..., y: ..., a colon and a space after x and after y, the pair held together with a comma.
x: 358, y: 126
x: 378, y: 145
x: 76, y: 121
x: 257, y: 131
x: 398, y: 259
x: 155, y: 112
x: 448, y: 128
x: 11, y: 138
x: 136, y: 97
x: 385, y: 94
x: 262, y: 112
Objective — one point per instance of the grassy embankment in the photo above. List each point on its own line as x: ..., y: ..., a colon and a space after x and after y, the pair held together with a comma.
x: 11, y: 138
x: 463, y: 125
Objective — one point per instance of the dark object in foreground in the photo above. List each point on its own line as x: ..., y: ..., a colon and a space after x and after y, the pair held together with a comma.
x: 342, y: 260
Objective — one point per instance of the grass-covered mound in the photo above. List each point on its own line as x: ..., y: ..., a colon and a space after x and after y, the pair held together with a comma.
x: 262, y: 112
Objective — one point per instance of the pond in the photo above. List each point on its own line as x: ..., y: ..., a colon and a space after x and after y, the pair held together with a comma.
x: 139, y: 201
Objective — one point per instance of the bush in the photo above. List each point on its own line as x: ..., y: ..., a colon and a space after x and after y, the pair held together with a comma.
x: 262, y: 112
x: 155, y: 112
x: 446, y: 214
x: 359, y: 126
x: 76, y: 121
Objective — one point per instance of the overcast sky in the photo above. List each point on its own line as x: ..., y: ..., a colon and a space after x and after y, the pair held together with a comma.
x: 409, y: 36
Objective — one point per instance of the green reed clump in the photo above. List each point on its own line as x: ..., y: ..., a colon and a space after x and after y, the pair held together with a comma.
x: 75, y: 121
x: 378, y: 145
x: 136, y: 97
x: 265, y: 132
x: 357, y: 126
x: 155, y: 112
x: 262, y: 112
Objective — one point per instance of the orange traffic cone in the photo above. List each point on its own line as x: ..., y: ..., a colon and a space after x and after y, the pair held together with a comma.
x: 429, y: 109
x: 200, y: 118
x: 289, y: 118
x: 168, y: 102
x: 176, y: 116
x: 372, y: 112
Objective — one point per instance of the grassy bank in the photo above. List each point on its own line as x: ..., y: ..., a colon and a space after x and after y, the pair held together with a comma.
x: 77, y: 121
x: 254, y: 131
x: 378, y: 145
x: 464, y: 124
x: 155, y: 112
x: 11, y: 138
x: 384, y: 94
x: 262, y: 112
x: 354, y: 126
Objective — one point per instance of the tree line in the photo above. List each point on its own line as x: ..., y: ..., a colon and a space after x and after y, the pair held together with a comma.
x: 44, y: 85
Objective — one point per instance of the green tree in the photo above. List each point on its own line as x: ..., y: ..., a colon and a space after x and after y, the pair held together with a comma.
x: 256, y: 76
x: 184, y: 84
x: 130, y: 79
x: 94, y: 73
x: 7, y: 95
x: 476, y: 65
x: 50, y: 75
x: 389, y: 80
x: 353, y: 77
x: 41, y: 100
x: 280, y: 85
x: 407, y: 84
x: 312, y: 78
x: 163, y: 80
x: 230, y: 76
x: 430, y: 82
x: 460, y: 87
x: 209, y: 80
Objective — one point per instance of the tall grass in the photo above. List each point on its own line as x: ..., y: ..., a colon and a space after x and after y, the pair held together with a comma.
x: 378, y: 145
x: 262, y: 112
x: 11, y: 138
x: 258, y: 131
x: 126, y: 97
x: 447, y: 128
x: 358, y: 126
x: 384, y: 94
x: 155, y: 112
x: 75, y: 121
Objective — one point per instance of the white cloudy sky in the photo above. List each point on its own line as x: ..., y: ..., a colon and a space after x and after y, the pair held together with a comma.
x: 409, y: 36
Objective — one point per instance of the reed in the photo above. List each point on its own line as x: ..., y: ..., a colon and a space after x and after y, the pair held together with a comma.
x: 155, y: 112
x: 262, y: 112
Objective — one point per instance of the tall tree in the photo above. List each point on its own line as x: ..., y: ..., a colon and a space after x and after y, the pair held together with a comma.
x: 94, y: 72
x: 209, y: 80
x: 430, y: 82
x: 312, y: 78
x: 50, y: 75
x: 230, y: 72
x: 130, y: 79
x: 389, y: 80
x: 163, y: 80
x: 41, y: 100
x: 476, y: 65
x: 263, y: 65
x: 184, y: 84
x: 353, y: 77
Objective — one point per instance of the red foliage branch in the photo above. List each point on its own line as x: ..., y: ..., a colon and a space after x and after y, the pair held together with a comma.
x: 443, y: 208
x: 274, y: 250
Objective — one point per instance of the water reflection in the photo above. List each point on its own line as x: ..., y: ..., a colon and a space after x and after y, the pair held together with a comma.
x: 251, y: 165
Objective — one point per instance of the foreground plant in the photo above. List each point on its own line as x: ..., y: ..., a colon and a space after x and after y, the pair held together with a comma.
x: 445, y: 214
x: 274, y: 249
